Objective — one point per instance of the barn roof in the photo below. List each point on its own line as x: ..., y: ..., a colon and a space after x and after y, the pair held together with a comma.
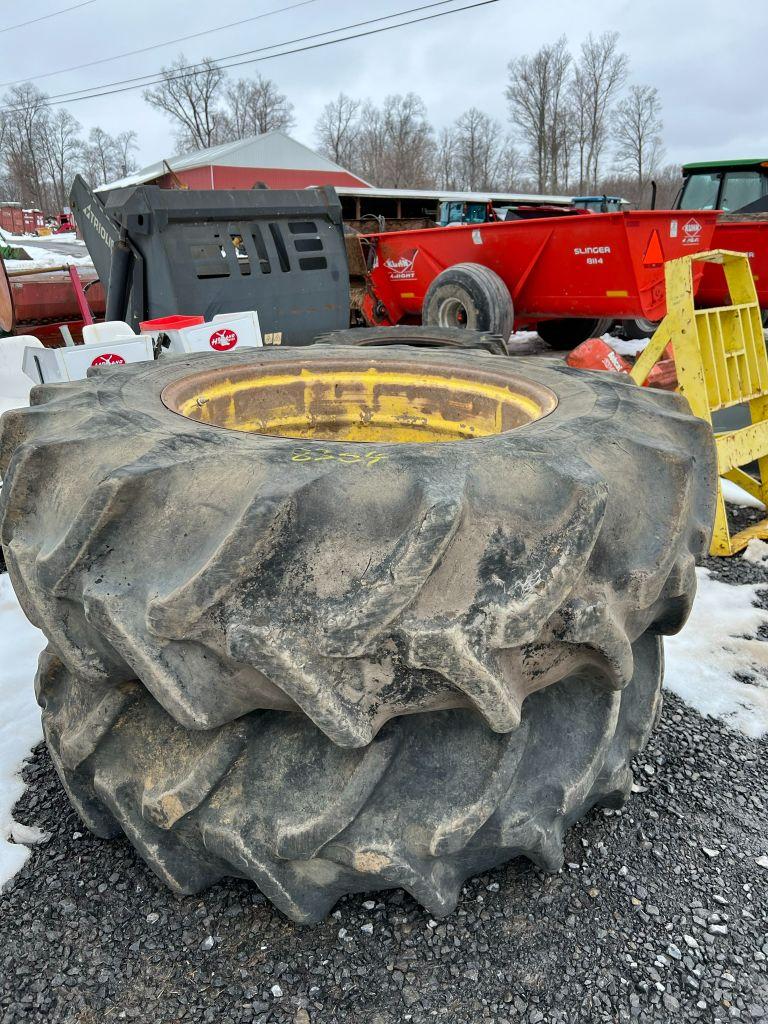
x: 273, y: 149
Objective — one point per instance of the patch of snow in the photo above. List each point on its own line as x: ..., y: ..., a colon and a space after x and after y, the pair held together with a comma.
x: 20, y: 644
x: 627, y: 346
x: 41, y: 259
x: 756, y: 552
x: 736, y: 495
x: 716, y: 644
x: 8, y: 236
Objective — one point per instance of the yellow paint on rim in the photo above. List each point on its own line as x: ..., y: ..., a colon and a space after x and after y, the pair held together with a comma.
x: 372, y: 402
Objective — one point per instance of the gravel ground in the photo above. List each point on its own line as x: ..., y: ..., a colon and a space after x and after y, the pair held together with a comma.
x: 660, y: 915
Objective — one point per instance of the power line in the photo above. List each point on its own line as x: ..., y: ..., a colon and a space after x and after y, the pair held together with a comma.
x: 45, y: 17
x: 156, y: 78
x: 144, y: 81
x: 157, y: 46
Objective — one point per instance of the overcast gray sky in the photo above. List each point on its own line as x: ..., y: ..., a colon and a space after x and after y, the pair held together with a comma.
x: 707, y: 58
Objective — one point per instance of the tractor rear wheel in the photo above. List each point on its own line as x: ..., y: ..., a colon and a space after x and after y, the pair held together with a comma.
x: 469, y: 296
x: 571, y: 331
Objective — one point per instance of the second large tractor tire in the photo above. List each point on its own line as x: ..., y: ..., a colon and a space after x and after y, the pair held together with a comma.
x: 432, y: 800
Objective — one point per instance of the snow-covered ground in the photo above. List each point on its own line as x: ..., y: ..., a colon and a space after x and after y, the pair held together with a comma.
x: 11, y: 239
x: 41, y: 258
x: 20, y: 644
x: 716, y: 663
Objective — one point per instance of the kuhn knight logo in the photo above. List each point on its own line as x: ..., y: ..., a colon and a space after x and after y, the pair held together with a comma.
x: 401, y: 269
x: 691, y: 232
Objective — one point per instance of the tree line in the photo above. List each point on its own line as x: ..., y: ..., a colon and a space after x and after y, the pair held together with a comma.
x: 42, y: 148
x: 576, y: 125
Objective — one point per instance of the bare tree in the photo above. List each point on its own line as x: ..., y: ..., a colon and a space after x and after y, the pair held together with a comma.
x: 479, y: 150
x: 124, y: 145
x: 338, y: 128
x: 192, y: 99
x: 536, y: 95
x: 371, y: 145
x: 409, y: 146
x: 445, y: 170
x: 255, y: 106
x: 599, y: 75
x: 108, y: 157
x: 98, y: 156
x: 27, y: 118
x: 62, y: 152
x: 637, y: 132
x: 395, y: 147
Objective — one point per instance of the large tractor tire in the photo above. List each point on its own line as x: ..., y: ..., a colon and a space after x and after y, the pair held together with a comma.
x: 432, y: 800
x: 571, y: 331
x: 472, y: 297
x: 350, y: 618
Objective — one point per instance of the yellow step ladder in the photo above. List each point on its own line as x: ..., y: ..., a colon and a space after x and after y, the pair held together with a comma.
x: 721, y: 361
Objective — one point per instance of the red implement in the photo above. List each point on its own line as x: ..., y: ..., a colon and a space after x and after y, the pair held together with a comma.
x: 604, y: 265
x: 596, y: 354
x: 749, y: 236
x: 39, y: 302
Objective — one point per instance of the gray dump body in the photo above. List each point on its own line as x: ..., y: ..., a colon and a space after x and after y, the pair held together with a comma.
x: 161, y: 252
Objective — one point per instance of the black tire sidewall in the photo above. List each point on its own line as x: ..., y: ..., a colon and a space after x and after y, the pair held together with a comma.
x: 482, y: 293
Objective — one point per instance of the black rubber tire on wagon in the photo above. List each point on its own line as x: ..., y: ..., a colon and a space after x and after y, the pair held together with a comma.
x: 636, y: 330
x: 221, y: 600
x: 427, y: 337
x: 469, y: 296
x: 569, y: 332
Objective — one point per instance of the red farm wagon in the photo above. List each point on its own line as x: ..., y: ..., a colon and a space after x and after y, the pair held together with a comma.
x: 561, y: 276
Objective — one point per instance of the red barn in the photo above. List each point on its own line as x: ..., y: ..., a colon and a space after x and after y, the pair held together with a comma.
x: 273, y: 158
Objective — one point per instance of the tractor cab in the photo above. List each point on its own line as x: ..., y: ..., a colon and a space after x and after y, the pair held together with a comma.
x: 601, y: 204
x: 728, y: 185
x: 458, y: 212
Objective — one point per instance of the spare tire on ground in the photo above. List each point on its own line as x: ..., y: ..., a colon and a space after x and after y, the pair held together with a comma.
x: 347, y: 619
x: 425, y: 337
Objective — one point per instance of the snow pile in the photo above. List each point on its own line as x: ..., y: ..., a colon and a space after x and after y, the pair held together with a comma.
x: 20, y: 644
x: 627, y: 346
x: 756, y: 552
x: 717, y: 645
x: 41, y: 259
x: 736, y: 495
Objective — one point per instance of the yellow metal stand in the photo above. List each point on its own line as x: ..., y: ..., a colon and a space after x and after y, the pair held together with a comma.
x: 721, y: 361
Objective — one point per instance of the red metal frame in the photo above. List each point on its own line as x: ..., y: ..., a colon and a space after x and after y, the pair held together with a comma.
x: 750, y: 237
x: 602, y: 265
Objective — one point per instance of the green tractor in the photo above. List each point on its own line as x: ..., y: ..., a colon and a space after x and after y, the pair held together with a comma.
x: 733, y: 186
x: 729, y: 185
